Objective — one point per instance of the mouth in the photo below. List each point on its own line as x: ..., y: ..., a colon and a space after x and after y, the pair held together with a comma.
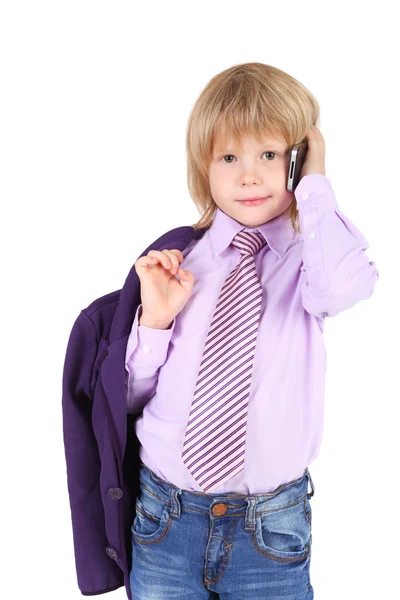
x: 254, y: 201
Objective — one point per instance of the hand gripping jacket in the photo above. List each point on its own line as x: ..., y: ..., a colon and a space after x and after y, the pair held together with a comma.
x: 101, y: 447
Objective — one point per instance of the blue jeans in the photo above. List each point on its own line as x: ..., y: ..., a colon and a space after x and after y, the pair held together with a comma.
x: 194, y: 546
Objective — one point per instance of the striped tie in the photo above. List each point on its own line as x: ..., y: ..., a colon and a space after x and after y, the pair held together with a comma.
x: 215, y: 437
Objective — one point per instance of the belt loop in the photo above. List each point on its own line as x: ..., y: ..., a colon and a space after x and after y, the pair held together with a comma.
x: 250, y: 518
x: 175, y: 503
x: 312, y: 484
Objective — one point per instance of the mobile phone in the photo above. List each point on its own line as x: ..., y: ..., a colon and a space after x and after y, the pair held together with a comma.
x: 297, y: 157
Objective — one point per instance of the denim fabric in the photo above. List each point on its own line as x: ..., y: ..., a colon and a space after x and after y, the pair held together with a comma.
x: 191, y: 545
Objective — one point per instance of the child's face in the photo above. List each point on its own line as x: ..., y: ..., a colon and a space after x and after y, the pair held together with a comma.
x: 260, y: 170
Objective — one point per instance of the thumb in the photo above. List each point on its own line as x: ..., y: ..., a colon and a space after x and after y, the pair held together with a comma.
x: 186, y: 279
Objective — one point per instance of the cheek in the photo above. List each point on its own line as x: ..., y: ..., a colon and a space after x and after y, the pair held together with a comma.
x: 219, y: 186
x: 216, y: 177
x: 212, y: 179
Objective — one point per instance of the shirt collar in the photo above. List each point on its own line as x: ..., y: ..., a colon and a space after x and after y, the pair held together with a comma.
x: 278, y: 232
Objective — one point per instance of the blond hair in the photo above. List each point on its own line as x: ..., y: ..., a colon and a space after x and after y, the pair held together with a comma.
x: 250, y: 99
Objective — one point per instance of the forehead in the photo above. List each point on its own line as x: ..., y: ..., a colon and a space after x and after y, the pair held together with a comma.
x: 229, y: 143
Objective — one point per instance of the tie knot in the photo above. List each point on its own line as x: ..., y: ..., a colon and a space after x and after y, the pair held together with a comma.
x: 248, y: 242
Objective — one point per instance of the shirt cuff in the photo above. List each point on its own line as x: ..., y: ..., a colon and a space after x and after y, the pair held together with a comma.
x: 149, y: 345
x: 315, y: 191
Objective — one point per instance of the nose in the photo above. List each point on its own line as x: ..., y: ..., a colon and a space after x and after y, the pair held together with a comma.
x: 250, y: 175
x: 251, y: 179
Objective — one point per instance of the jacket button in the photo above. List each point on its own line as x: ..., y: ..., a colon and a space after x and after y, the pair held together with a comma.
x: 219, y: 509
x: 111, y: 552
x: 115, y: 493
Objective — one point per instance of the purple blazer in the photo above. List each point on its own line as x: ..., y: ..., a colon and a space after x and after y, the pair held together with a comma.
x: 101, y: 447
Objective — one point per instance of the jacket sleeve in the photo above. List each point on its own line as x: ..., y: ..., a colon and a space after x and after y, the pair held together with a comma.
x: 96, y: 572
x: 336, y: 272
x: 146, y: 352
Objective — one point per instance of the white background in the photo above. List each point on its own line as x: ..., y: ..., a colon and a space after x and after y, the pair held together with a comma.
x: 94, y: 103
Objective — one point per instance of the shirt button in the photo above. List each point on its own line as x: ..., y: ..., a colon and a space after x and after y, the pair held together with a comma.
x: 312, y: 235
x: 305, y: 195
x: 146, y: 349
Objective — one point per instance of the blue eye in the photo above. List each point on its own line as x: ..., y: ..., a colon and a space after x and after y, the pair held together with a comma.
x: 266, y: 152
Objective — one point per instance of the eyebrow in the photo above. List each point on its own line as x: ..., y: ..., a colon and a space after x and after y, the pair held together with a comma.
x: 278, y: 145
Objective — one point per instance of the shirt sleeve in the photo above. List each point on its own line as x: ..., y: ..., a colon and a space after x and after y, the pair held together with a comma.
x: 146, y: 352
x: 336, y: 272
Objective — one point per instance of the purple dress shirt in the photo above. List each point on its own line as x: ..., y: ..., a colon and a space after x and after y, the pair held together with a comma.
x: 305, y: 278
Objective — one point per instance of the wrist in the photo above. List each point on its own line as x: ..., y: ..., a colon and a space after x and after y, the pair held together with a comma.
x: 155, y: 324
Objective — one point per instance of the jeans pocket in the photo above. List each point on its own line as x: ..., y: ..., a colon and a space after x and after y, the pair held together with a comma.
x: 152, y: 520
x: 284, y: 534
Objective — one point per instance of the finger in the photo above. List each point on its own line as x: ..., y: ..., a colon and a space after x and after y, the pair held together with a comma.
x: 179, y: 253
x: 173, y: 258
x: 161, y: 257
x: 180, y: 257
x: 146, y: 261
x: 186, y: 279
